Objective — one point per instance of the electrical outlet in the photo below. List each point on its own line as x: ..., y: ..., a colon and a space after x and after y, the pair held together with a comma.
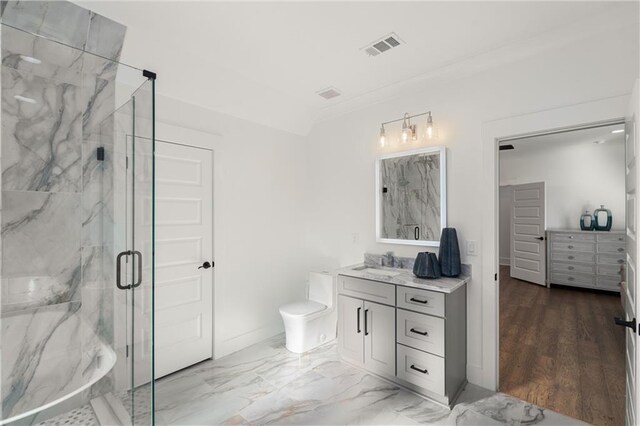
x: 472, y: 248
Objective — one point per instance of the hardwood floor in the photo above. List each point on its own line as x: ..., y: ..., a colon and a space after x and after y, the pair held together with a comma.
x: 560, y: 349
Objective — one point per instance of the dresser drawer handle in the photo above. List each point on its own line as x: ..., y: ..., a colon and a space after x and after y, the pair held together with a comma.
x: 570, y: 236
x: 620, y: 250
x: 620, y: 261
x: 571, y: 268
x: 571, y: 279
x: 424, y: 302
x: 425, y: 371
x: 571, y: 257
x: 422, y: 333
x: 570, y: 246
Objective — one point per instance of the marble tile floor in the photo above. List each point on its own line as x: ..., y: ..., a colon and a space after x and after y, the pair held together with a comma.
x: 266, y: 384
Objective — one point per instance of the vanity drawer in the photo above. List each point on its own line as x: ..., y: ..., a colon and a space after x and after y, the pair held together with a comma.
x: 610, y: 238
x: 573, y: 268
x: 610, y: 248
x: 573, y: 246
x: 420, y: 331
x: 421, y: 369
x: 612, y: 283
x: 425, y: 301
x: 367, y: 290
x: 611, y: 259
x: 572, y: 279
x: 577, y: 237
x: 561, y: 256
x: 611, y: 270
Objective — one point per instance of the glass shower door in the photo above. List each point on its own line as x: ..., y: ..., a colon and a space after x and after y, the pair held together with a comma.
x: 134, y: 264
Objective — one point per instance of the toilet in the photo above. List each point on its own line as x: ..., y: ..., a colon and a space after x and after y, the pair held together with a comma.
x: 312, y: 322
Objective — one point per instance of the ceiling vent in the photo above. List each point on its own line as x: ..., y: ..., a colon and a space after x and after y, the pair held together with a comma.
x: 383, y: 44
x: 506, y: 147
x: 329, y: 93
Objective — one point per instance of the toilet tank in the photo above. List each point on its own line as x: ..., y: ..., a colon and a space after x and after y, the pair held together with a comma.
x: 321, y: 288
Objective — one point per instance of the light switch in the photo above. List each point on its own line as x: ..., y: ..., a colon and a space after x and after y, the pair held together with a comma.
x: 472, y: 248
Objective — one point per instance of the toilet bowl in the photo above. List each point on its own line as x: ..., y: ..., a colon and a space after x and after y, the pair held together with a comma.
x: 312, y: 322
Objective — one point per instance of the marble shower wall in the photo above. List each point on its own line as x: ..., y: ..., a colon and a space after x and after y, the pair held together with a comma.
x: 411, y: 197
x: 57, y: 99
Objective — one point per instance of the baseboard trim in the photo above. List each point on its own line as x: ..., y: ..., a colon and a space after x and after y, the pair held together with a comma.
x: 505, y: 261
x: 236, y: 343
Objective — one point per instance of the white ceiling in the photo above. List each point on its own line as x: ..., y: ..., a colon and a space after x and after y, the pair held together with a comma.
x: 265, y: 61
x: 586, y: 136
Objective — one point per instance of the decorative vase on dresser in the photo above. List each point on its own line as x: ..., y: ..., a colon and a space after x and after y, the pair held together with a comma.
x: 589, y: 259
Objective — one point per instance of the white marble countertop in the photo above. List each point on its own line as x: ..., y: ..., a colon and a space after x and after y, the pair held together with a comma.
x: 405, y: 278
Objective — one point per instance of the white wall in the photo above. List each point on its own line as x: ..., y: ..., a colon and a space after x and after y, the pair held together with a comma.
x: 577, y: 177
x: 504, y: 225
x: 258, y: 221
x: 341, y: 154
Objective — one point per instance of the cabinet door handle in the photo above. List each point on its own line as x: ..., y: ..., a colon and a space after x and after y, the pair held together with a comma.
x: 358, y: 315
x: 423, y: 333
x: 425, y: 371
x: 366, y: 328
x: 413, y: 299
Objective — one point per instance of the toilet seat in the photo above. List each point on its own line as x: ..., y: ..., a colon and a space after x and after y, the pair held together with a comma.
x: 301, y: 309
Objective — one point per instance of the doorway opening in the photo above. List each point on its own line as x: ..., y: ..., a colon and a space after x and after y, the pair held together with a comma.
x: 559, y: 282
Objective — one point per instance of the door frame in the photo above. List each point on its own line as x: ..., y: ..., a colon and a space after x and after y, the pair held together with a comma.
x: 177, y: 135
x: 573, y: 117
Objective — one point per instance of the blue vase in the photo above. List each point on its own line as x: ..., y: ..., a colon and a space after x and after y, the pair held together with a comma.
x: 449, y: 255
x: 586, y: 221
x: 603, y: 219
x: 426, y: 265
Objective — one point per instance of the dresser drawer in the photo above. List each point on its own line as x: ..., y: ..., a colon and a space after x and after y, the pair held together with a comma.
x: 420, y: 331
x: 611, y: 270
x: 367, y: 290
x: 608, y: 248
x: 577, y: 237
x: 577, y: 268
x: 611, y: 259
x: 572, y: 279
x: 607, y: 283
x: 425, y: 301
x: 563, y: 256
x: 610, y: 238
x: 421, y: 369
x: 571, y: 246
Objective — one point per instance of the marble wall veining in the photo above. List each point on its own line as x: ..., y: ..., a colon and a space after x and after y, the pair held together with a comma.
x: 57, y: 101
x: 411, y: 197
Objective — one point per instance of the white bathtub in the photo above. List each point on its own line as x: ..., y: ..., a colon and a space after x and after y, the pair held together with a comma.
x: 49, y: 355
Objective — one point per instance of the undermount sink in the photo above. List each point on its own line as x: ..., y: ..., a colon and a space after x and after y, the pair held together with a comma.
x: 370, y: 270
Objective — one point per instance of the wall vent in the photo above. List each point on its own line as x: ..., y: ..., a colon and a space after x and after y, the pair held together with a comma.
x: 506, y: 147
x: 383, y: 44
x: 329, y: 93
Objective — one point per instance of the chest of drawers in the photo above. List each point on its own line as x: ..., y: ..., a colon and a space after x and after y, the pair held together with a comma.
x: 586, y: 259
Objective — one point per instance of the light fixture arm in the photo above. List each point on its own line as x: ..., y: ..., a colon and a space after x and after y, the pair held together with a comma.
x: 407, y: 117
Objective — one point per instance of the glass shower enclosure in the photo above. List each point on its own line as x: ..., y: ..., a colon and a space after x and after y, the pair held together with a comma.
x: 77, y: 230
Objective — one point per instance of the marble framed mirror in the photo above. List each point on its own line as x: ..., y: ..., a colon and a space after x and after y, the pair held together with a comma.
x: 411, y: 197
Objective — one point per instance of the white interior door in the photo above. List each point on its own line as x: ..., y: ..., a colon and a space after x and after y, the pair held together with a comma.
x: 528, y: 248
x: 184, y: 241
x: 629, y: 283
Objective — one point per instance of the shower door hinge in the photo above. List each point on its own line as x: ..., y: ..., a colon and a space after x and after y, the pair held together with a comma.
x: 126, y: 350
x: 126, y: 165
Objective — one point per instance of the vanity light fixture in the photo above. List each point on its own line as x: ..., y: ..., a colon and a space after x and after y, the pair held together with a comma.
x: 382, y: 136
x: 409, y: 131
x: 617, y: 131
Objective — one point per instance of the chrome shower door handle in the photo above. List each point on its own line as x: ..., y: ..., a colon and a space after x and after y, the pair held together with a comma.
x: 138, y: 280
x: 119, y: 270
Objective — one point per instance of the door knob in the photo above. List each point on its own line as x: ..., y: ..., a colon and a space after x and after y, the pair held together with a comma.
x: 631, y: 324
x: 206, y: 265
x: 540, y: 238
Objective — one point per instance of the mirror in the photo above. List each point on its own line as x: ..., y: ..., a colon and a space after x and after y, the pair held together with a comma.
x: 411, y: 189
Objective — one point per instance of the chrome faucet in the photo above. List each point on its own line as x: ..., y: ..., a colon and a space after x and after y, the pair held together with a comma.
x: 389, y: 259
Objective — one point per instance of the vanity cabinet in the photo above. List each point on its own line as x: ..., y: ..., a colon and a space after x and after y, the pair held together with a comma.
x: 364, y: 334
x: 412, y: 336
x: 588, y: 259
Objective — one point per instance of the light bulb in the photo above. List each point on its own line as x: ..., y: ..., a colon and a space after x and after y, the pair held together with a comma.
x: 382, y: 136
x: 405, y: 128
x: 405, y: 135
x: 429, y: 126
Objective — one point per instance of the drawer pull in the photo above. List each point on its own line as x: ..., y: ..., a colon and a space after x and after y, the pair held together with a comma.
x: 413, y: 299
x: 571, y: 279
x: 570, y: 246
x: 620, y: 261
x: 571, y: 236
x: 571, y: 257
x: 423, y: 333
x: 425, y: 371
x: 620, y: 250
x: 571, y: 268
